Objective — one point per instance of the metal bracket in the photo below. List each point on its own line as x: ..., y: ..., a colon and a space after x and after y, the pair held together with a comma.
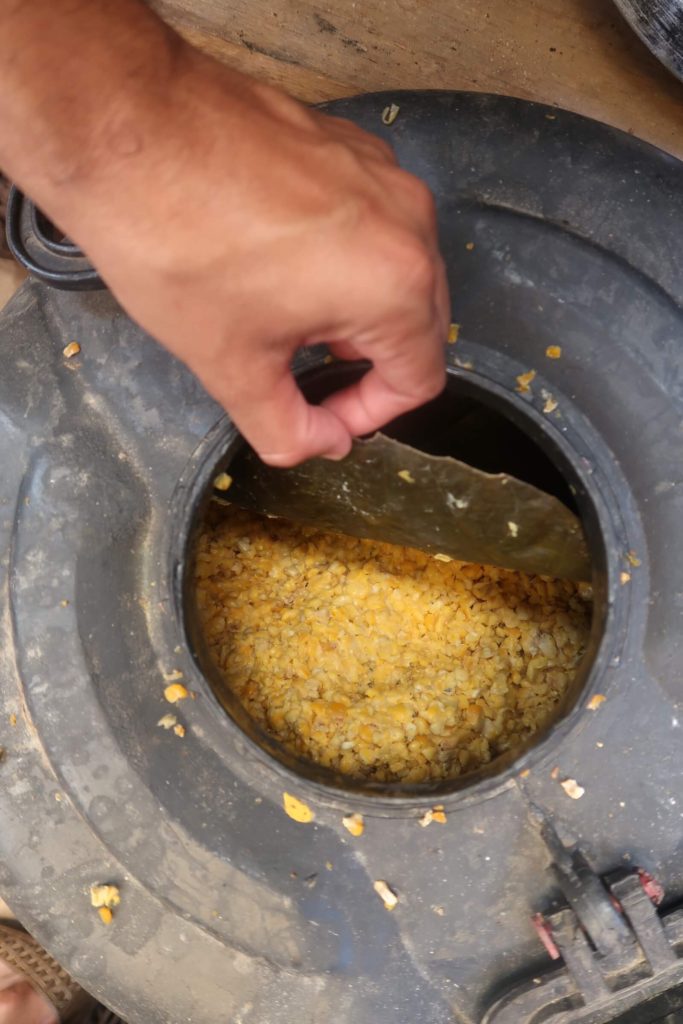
x: 623, y: 961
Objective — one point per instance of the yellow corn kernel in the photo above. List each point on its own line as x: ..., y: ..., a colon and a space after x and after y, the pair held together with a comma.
x: 354, y: 824
x: 175, y: 692
x: 223, y: 482
x: 386, y: 894
x: 297, y: 809
x: 524, y: 381
x: 401, y: 713
x: 104, y: 896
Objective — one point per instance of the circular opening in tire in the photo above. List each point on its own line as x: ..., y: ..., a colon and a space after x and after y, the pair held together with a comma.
x: 388, y: 670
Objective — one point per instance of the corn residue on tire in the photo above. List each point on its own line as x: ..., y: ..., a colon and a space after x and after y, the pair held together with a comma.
x: 382, y: 662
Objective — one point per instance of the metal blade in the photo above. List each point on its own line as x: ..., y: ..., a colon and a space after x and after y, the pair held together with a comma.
x: 385, y: 490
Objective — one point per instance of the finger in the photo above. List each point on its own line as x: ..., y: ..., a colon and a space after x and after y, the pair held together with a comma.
x: 345, y: 350
x: 395, y: 384
x: 279, y: 423
x: 354, y: 135
x: 364, y: 148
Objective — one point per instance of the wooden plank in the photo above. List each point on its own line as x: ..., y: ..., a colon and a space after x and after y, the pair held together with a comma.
x: 577, y: 54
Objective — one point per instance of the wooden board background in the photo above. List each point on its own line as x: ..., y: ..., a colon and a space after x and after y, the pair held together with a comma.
x: 577, y: 54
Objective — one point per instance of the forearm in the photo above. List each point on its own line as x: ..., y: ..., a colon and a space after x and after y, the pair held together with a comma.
x: 78, y: 81
x: 234, y: 224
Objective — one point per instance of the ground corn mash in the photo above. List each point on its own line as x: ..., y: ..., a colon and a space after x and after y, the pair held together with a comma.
x: 378, y: 661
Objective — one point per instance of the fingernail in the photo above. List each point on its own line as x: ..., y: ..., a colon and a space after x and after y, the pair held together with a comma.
x: 337, y: 453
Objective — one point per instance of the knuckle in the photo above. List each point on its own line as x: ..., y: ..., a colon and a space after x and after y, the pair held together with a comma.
x: 341, y: 154
x: 417, y: 267
x: 384, y: 149
x: 354, y: 134
x: 425, y: 386
x: 417, y: 197
x: 423, y: 199
x: 433, y: 385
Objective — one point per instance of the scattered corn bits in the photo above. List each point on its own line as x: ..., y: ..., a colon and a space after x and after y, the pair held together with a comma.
x: 13, y: 720
x: 453, y: 333
x: 173, y: 676
x: 553, y: 351
x: 469, y: 246
x: 573, y: 789
x: 524, y: 381
x: 167, y: 721
x: 297, y: 809
x: 354, y: 824
x: 436, y: 814
x: 442, y: 558
x: 380, y: 662
x: 106, y: 916
x: 624, y: 578
x: 179, y: 730
x: 550, y: 405
x: 70, y: 350
x: 633, y: 559
x: 223, y: 482
x: 105, y: 896
x: 386, y: 894
x: 513, y: 529
x: 176, y: 692
x: 596, y: 700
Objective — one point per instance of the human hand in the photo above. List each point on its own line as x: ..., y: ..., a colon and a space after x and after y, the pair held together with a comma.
x: 242, y: 226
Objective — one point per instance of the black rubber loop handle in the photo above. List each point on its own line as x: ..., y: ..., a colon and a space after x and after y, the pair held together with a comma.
x: 57, y: 263
x: 37, y: 219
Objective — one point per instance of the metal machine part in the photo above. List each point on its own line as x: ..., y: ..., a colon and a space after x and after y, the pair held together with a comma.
x: 388, y: 491
x: 629, y: 970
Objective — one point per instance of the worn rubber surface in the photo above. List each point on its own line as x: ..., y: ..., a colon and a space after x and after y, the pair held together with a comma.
x: 230, y: 911
x: 659, y: 23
